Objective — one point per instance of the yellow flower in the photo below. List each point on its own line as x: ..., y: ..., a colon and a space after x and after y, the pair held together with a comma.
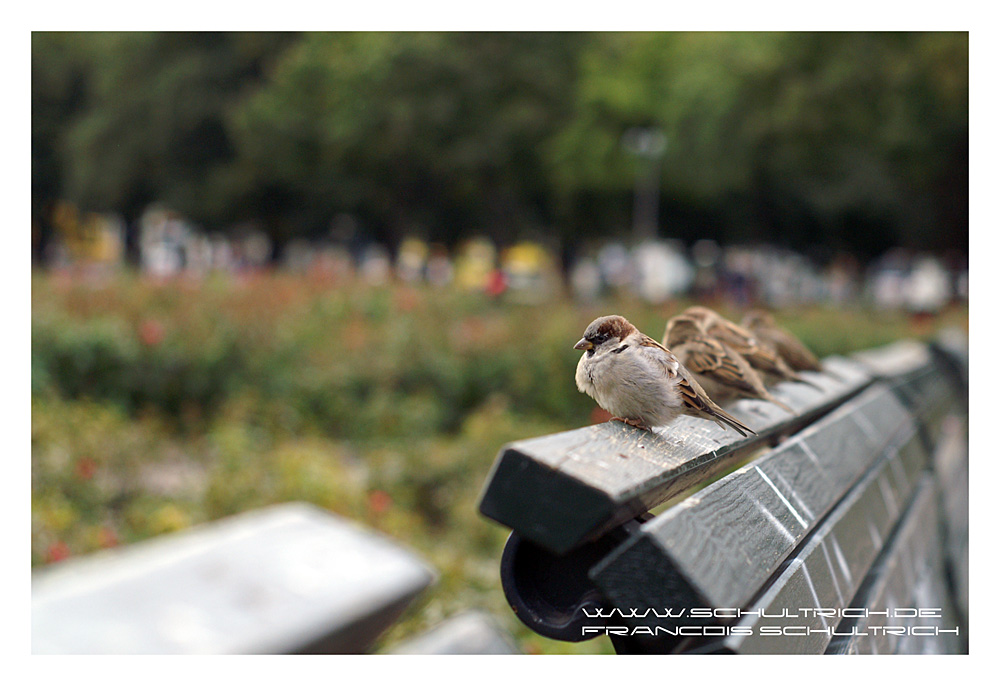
x: 168, y: 518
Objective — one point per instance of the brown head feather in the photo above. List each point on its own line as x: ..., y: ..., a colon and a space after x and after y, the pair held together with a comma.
x: 681, y: 328
x: 702, y: 314
x: 758, y: 318
x: 614, y: 326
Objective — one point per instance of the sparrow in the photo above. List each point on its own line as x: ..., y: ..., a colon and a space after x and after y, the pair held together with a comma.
x: 723, y: 372
x: 761, y: 355
x: 639, y: 381
x: 791, y: 349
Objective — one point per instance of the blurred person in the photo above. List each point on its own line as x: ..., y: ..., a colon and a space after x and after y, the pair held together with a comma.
x: 661, y: 271
x: 256, y: 249
x: 585, y: 280
x: 375, y: 267
x: 738, y: 286
x: 411, y: 259
x: 529, y: 270
x: 887, y: 279
x: 705, y: 253
x: 615, y: 264
x: 299, y: 255
x: 476, y: 260
x: 927, y: 287
x: 842, y: 278
x: 439, y: 267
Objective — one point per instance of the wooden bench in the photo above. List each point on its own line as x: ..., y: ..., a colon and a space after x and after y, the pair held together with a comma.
x: 289, y: 578
x: 842, y: 528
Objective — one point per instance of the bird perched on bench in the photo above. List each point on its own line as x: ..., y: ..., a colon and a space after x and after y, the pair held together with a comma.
x: 760, y: 354
x: 723, y: 372
x: 639, y: 381
x: 792, y: 350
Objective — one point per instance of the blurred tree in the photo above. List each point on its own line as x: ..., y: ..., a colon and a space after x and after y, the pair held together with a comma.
x: 427, y: 132
x: 153, y: 127
x: 846, y: 140
x: 57, y: 94
x: 856, y: 140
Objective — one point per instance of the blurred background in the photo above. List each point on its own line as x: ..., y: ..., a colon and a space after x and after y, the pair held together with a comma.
x: 345, y: 268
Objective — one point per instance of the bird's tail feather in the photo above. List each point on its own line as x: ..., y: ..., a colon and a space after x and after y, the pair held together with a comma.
x: 722, y: 418
x: 770, y: 398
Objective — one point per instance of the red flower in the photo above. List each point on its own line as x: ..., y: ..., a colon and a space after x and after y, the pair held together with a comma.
x: 379, y: 501
x: 56, y: 552
x: 106, y: 537
x: 497, y: 283
x: 85, y: 468
x: 151, y: 332
x: 406, y: 300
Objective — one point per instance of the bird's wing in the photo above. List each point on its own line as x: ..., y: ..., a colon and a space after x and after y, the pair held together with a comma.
x: 655, y: 352
x: 697, y: 401
x: 695, y: 398
x: 795, y: 351
x: 650, y: 342
x: 709, y: 357
x: 758, y: 352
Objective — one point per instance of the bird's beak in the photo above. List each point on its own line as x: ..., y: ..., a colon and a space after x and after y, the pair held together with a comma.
x: 583, y: 344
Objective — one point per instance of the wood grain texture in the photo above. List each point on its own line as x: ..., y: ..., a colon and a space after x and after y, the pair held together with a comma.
x: 283, y: 579
x: 828, y: 570
x: 909, y: 574
x: 924, y: 380
x: 718, y: 547
x: 563, y: 489
x: 896, y: 359
x: 472, y: 632
x: 951, y: 472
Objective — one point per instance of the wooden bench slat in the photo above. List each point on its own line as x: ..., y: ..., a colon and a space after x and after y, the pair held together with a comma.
x: 835, y: 516
x: 920, y: 378
x: 895, y: 359
x: 288, y: 578
x: 469, y: 633
x: 719, y: 546
x: 564, y: 489
x: 829, y: 568
x: 911, y: 576
x: 951, y: 470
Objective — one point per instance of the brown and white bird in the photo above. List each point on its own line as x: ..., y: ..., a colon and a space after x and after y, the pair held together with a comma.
x: 761, y: 355
x: 639, y: 381
x: 792, y: 350
x: 722, y: 371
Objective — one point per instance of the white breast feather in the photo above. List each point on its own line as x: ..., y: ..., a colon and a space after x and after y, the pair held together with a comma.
x: 637, y: 383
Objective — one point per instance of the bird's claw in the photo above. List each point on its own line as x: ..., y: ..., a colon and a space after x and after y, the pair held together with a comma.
x: 632, y: 422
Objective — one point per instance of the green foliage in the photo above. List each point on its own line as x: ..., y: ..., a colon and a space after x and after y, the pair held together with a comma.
x: 853, y: 140
x: 102, y: 359
x: 852, y: 135
x: 152, y: 126
x: 157, y: 406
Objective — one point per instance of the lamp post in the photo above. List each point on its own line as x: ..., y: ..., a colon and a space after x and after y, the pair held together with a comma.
x: 648, y: 144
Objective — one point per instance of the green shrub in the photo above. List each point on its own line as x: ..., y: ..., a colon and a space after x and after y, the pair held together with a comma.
x: 160, y: 405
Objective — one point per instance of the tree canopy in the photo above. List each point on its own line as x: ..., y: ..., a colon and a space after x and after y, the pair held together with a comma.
x: 849, y: 140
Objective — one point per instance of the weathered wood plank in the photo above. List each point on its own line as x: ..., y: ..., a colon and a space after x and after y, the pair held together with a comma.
x: 951, y: 471
x: 917, y: 375
x: 828, y: 569
x: 563, y: 489
x: 952, y: 345
x: 289, y: 578
x: 907, y: 580
x: 718, y: 547
x: 468, y: 633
